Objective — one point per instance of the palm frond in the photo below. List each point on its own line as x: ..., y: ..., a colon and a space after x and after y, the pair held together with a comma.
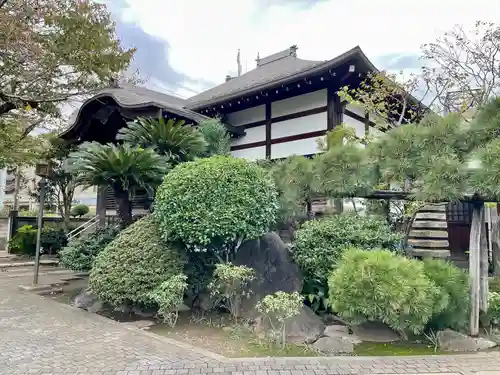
x: 172, y: 138
x: 125, y: 165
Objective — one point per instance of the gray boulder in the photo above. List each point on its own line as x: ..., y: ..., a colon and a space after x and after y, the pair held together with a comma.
x: 375, y: 332
x: 342, y: 332
x: 274, y: 270
x: 87, y: 300
x: 333, y: 345
x: 449, y: 340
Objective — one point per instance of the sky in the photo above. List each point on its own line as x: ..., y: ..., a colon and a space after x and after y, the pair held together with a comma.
x: 185, y: 47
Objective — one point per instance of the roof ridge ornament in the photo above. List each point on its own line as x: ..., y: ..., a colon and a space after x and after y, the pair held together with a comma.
x: 289, y: 52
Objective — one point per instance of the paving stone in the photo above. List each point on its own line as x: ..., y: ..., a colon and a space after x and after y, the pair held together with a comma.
x: 39, y: 335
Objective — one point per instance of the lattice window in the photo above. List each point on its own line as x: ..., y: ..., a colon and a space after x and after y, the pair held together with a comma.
x: 459, y: 212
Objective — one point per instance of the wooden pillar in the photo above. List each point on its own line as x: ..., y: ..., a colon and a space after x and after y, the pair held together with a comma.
x: 334, y: 109
x: 268, y: 129
x: 475, y: 266
x: 101, y: 206
x: 483, y: 265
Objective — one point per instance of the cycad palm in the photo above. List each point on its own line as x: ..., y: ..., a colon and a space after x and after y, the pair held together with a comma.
x: 171, y: 138
x: 124, y: 168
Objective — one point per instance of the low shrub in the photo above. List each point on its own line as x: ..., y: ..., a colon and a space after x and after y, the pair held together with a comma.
x: 494, y: 308
x: 454, y: 284
x: 379, y: 285
x: 135, y: 263
x: 169, y: 296
x: 319, y: 244
x: 494, y: 284
x: 277, y: 308
x: 24, y: 241
x: 230, y: 285
x: 79, y: 210
x: 199, y: 270
x: 81, y: 252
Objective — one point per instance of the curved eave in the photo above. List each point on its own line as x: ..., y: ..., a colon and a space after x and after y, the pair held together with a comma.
x: 356, y: 52
x: 183, y: 112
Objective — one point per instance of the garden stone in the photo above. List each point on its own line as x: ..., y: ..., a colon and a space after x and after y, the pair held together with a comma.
x: 274, y: 270
x: 449, y: 340
x: 334, y: 345
x: 87, y: 300
x: 144, y: 312
x: 375, y: 332
x: 342, y: 332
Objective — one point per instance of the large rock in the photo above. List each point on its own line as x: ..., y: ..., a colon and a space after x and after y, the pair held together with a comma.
x: 87, y: 300
x: 342, y: 332
x: 375, y: 332
x: 333, y: 345
x: 449, y: 340
x: 274, y: 270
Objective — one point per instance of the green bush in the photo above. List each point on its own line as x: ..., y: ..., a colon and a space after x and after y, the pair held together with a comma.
x: 79, y: 210
x: 454, y: 284
x: 53, y: 239
x: 494, y: 308
x: 378, y: 285
x: 135, y: 263
x: 216, y: 202
x: 494, y: 284
x: 319, y: 244
x: 82, y: 251
x: 168, y: 296
x: 24, y: 241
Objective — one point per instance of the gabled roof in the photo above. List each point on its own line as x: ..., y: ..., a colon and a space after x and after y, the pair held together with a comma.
x: 277, y: 69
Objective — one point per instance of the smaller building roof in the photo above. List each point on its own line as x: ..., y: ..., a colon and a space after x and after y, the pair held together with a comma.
x: 135, y: 97
x: 279, y: 68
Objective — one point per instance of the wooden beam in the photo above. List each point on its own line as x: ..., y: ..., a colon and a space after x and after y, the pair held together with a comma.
x: 268, y: 129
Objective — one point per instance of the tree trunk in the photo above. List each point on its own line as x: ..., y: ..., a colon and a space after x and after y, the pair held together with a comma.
x: 123, y: 207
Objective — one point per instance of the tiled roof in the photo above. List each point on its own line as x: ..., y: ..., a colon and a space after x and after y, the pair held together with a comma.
x: 276, y: 69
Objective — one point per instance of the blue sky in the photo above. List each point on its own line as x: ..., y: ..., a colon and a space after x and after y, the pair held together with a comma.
x: 187, y: 46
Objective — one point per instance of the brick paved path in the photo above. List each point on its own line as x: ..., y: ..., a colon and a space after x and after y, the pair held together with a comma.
x: 41, y: 336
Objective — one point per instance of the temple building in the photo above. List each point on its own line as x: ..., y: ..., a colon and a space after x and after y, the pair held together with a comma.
x: 279, y: 108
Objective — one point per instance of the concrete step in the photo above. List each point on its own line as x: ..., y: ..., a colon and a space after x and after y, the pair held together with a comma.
x: 30, y: 263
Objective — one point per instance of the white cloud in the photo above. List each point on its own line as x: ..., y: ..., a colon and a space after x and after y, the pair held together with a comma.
x: 204, y: 35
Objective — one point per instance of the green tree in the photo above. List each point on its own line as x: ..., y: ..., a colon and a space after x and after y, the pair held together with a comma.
x: 60, y: 185
x: 55, y: 50
x: 173, y: 138
x: 125, y: 168
x: 217, y: 138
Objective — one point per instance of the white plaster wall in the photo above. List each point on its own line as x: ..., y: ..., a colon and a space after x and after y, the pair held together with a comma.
x: 299, y: 125
x: 358, y: 126
x: 253, y: 153
x: 247, y: 116
x: 301, y: 147
x: 255, y: 134
x: 299, y: 103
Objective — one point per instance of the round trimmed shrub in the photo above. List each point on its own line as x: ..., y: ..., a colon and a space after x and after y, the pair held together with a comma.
x: 216, y: 201
x: 381, y: 286
x: 79, y: 210
x: 134, y: 264
x: 81, y: 252
x: 454, y: 284
x: 319, y: 244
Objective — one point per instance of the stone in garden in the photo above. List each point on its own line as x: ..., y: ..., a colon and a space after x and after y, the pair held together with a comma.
x: 304, y: 328
x: 338, y: 331
x: 141, y: 324
x: 86, y: 300
x: 375, y: 332
x: 333, y: 345
x: 449, y: 340
x: 274, y: 270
